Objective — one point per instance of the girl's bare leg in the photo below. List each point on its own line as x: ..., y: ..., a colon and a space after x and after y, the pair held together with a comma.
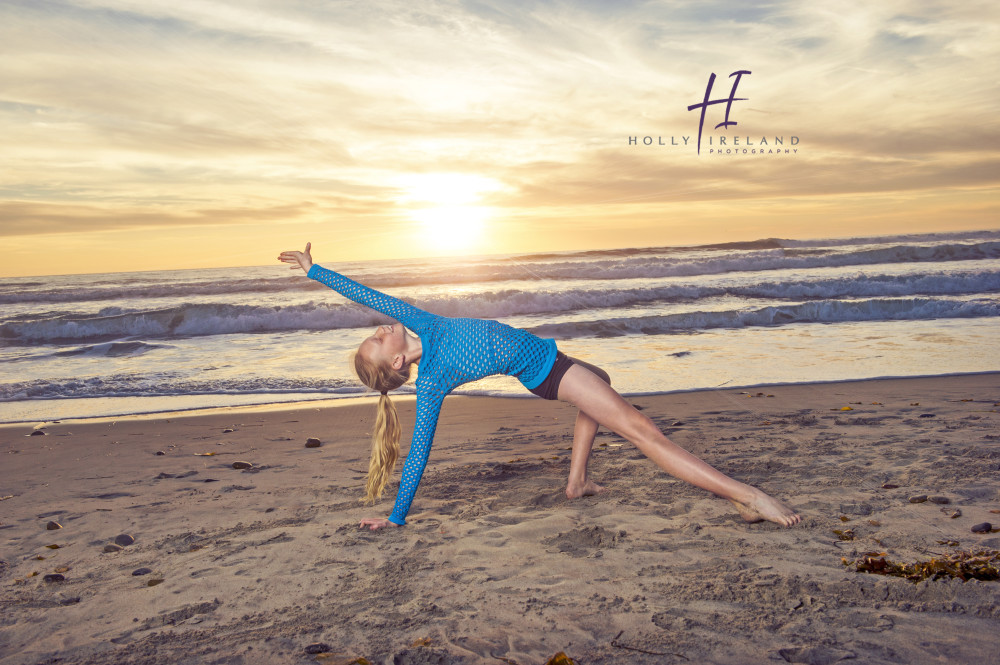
x: 599, y: 401
x: 584, y: 432
x: 578, y: 484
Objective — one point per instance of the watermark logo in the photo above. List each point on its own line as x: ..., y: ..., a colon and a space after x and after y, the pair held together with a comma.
x: 728, y: 101
x: 728, y: 144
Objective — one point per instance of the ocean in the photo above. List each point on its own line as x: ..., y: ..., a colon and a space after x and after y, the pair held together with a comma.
x: 658, y: 319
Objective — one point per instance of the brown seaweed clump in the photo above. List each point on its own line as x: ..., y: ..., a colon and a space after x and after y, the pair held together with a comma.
x: 964, y: 565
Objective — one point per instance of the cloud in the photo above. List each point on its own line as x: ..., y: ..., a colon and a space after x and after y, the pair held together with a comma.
x: 138, y: 113
x: 34, y: 218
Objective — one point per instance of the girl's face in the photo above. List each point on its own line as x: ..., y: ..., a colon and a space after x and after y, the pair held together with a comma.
x: 386, y: 346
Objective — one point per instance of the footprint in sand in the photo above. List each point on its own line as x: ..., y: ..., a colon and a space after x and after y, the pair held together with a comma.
x: 494, y: 539
x: 584, y: 542
x: 204, y: 571
x: 548, y: 499
x: 180, y: 615
x: 869, y: 623
x: 424, y: 656
x: 815, y: 655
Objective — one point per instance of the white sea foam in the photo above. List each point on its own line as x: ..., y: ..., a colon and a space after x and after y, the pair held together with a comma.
x: 141, y: 385
x: 204, y: 319
x: 826, y: 311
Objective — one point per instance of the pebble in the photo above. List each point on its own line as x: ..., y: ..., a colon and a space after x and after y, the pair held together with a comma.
x: 124, y: 540
x: 52, y: 526
x: 926, y: 415
x: 164, y: 475
x: 159, y: 452
x: 54, y: 577
x: 70, y: 601
x: 319, y: 647
x: 956, y: 513
x: 920, y: 498
x: 228, y: 431
x: 313, y: 442
x: 113, y: 548
x: 984, y: 527
x: 677, y: 423
x: 939, y: 499
x: 38, y: 432
x: 242, y: 465
x: 142, y: 571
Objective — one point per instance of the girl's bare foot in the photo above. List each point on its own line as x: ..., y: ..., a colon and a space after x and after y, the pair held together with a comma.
x: 588, y: 488
x: 763, y: 507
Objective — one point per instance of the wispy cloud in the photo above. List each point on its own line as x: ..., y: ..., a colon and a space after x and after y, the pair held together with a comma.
x: 29, y: 218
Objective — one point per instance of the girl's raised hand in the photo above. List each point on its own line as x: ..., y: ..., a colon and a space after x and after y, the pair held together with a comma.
x: 375, y: 523
x: 298, y: 260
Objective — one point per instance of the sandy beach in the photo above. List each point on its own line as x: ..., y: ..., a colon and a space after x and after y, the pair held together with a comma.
x: 254, y: 565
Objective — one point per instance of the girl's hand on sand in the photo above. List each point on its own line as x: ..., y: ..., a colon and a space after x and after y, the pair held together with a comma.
x: 375, y: 524
x: 303, y: 260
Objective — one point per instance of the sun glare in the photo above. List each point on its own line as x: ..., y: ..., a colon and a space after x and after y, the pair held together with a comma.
x: 445, y: 204
x: 452, y: 228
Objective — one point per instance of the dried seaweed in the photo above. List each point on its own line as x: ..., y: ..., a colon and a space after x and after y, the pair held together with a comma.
x: 964, y: 564
x: 561, y: 659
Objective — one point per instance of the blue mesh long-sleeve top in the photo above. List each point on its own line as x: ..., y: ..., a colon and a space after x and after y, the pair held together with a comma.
x: 454, y: 351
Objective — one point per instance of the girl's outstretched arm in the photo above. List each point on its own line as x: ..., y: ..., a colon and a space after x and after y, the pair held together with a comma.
x: 428, y: 409
x: 412, y: 317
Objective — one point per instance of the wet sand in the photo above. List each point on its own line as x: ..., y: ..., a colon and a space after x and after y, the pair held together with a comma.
x: 496, y: 565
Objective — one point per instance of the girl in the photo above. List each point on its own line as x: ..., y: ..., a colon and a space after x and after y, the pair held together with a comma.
x: 453, y: 351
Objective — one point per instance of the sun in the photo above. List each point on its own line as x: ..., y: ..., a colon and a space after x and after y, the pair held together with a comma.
x: 452, y: 228
x: 446, y: 205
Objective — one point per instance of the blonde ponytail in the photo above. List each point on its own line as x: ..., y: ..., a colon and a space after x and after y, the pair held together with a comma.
x: 387, y: 431
x: 385, y: 449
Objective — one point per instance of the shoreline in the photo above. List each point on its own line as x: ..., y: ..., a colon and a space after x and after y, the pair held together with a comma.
x: 257, y: 564
x: 363, y: 397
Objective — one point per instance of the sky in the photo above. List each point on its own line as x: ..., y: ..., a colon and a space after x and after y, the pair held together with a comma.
x: 149, y: 135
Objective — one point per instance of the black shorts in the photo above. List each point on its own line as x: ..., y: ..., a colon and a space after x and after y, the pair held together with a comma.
x: 549, y: 388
